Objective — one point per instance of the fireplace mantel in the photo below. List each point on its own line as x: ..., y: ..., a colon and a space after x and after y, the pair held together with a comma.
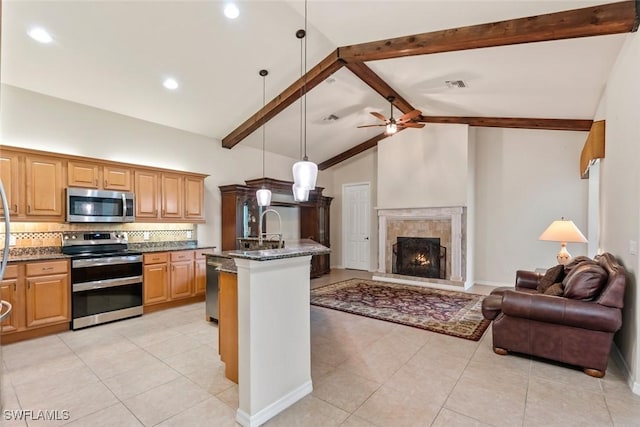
x: 453, y: 214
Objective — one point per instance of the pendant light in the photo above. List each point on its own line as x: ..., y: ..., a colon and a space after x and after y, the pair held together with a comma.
x: 305, y: 172
x: 263, y: 195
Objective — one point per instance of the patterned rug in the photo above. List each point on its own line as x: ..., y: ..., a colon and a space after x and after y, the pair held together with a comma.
x: 447, y: 312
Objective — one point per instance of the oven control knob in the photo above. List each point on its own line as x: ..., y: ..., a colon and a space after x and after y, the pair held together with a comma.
x: 73, y: 236
x: 66, y: 237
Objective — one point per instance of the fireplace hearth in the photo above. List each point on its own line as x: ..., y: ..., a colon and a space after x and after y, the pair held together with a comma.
x: 419, y: 257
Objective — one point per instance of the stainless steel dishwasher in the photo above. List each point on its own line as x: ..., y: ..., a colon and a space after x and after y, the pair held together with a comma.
x: 211, y: 304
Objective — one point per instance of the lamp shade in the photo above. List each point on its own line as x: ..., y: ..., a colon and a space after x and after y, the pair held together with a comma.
x: 264, y: 197
x: 563, y: 230
x: 300, y: 194
x: 305, y: 174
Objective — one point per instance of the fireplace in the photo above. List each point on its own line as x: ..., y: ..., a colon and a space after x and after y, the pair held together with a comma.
x: 419, y: 257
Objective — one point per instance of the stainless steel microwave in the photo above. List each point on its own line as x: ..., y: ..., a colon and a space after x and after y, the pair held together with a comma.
x: 86, y: 205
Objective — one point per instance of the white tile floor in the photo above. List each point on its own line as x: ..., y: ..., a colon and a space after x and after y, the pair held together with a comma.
x: 163, y: 369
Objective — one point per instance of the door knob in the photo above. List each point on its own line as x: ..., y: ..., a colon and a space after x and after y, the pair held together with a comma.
x: 366, y: 238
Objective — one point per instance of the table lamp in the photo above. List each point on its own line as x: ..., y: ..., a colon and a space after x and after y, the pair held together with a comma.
x: 563, y: 231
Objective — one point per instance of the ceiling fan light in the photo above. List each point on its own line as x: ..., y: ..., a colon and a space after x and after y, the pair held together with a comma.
x: 264, y: 197
x: 391, y: 128
x: 305, y: 174
x: 300, y: 194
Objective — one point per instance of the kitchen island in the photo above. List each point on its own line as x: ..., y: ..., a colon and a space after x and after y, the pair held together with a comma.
x: 274, y: 342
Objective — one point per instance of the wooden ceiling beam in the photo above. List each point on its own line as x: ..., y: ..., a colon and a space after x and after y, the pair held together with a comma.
x: 512, y: 122
x: 612, y: 18
x: 369, y: 143
x: 314, y: 77
x: 375, y: 82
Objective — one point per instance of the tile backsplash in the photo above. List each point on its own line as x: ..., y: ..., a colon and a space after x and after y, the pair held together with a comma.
x: 49, y: 235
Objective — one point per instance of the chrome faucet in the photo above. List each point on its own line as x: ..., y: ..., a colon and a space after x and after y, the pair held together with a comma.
x: 261, y: 235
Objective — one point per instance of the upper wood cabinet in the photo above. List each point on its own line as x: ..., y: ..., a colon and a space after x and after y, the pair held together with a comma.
x: 44, y: 190
x: 35, y: 181
x: 9, y: 174
x: 193, y: 198
x: 94, y: 175
x: 171, y: 194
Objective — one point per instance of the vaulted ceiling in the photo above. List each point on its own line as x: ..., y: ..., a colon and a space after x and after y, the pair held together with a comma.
x: 114, y: 55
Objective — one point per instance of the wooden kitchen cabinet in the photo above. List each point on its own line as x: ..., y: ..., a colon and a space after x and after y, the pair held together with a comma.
x: 181, y: 276
x: 228, y: 323
x: 9, y: 292
x: 146, y: 191
x: 193, y: 198
x: 9, y: 174
x: 98, y: 176
x: 47, y: 300
x: 155, y: 278
x: 171, y: 196
x: 200, y: 281
x: 44, y: 195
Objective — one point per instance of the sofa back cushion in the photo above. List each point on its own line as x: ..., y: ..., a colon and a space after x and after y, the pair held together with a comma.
x: 585, y: 281
x: 613, y: 293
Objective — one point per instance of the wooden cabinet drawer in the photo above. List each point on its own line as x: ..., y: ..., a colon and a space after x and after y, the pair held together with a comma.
x: 181, y: 256
x: 201, y: 253
x: 156, y: 258
x: 48, y: 267
x: 11, y: 272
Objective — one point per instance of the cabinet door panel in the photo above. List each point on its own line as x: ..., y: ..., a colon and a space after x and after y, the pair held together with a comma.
x: 44, y: 186
x: 194, y: 198
x: 47, y: 300
x: 8, y: 290
x: 171, y: 196
x: 9, y: 173
x: 146, y: 191
x: 181, y: 279
x: 200, y: 277
x: 80, y: 174
x: 116, y: 178
x: 156, y: 284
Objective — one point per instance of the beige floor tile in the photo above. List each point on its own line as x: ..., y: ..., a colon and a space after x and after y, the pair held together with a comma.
x: 426, y: 383
x: 447, y: 418
x: 230, y: 396
x: 624, y: 406
x: 551, y: 403
x: 431, y: 359
x: 145, y: 338
x: 344, y: 389
x: 109, y: 346
x: 212, y: 380
x: 309, y: 412
x: 355, y: 421
x: 199, y: 358
x: 140, y: 379
x: 110, y: 366
x: 172, y: 346
x: 565, y: 374
x: 113, y: 416
x: 387, y: 407
x: 50, y: 385
x: 165, y: 401
x: 34, y: 352
x: 319, y: 370
x: 55, y: 365
x: 211, y: 412
x: 329, y: 352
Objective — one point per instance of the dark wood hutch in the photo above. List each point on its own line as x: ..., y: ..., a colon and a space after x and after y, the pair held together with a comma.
x: 240, y: 212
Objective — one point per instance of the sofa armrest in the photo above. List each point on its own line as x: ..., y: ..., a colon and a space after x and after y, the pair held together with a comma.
x: 527, y: 279
x: 561, y: 311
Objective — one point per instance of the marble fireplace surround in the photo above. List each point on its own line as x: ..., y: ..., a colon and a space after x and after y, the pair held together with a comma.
x: 452, y: 214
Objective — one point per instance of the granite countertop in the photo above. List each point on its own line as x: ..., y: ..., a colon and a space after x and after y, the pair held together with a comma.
x: 36, y: 257
x: 169, y: 247
x: 293, y: 249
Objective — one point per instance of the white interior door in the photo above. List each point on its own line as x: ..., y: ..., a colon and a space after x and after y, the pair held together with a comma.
x: 356, y: 220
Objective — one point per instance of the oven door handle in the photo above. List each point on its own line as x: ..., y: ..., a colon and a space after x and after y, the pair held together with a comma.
x: 109, y: 283
x: 124, y: 208
x: 97, y: 262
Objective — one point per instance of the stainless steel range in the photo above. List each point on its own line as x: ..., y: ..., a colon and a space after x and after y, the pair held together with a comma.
x: 106, y: 277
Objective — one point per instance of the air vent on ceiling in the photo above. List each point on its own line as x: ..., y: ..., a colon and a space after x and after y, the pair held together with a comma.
x: 455, y: 84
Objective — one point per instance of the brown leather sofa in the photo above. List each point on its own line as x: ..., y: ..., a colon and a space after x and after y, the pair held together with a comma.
x: 574, y: 329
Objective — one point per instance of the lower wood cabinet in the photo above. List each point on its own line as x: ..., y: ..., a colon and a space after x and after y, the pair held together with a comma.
x: 40, y: 294
x: 155, y: 278
x: 228, y: 323
x: 200, y: 280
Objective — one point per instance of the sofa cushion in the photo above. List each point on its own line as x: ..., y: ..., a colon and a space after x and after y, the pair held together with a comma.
x: 584, y: 282
x: 576, y: 261
x: 555, y: 290
x: 553, y: 275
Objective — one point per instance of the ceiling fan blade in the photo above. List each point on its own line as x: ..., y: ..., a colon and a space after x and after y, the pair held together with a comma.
x: 412, y: 125
x: 378, y: 115
x: 369, y: 126
x: 410, y: 116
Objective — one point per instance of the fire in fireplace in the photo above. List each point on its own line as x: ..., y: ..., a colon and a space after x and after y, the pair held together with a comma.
x: 419, y: 257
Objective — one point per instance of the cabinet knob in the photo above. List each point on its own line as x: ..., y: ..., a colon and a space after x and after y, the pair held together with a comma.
x: 106, y: 182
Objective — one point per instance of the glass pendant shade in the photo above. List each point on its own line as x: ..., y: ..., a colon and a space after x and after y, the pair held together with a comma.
x: 305, y: 174
x: 300, y: 194
x: 264, y: 197
x: 392, y: 128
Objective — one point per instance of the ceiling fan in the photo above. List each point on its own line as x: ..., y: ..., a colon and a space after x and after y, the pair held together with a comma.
x: 393, y: 125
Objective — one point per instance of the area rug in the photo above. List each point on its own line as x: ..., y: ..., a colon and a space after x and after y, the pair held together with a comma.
x: 447, y: 312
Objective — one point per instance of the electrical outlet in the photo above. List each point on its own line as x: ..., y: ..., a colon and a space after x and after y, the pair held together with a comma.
x: 145, y: 235
x: 189, y: 234
x: 633, y: 247
x: 12, y: 240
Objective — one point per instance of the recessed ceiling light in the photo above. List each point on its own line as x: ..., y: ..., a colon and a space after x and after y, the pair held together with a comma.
x: 170, y: 83
x: 231, y: 11
x: 41, y: 35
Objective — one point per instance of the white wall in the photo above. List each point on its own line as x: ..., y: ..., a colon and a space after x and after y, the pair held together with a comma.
x: 358, y: 169
x: 525, y: 179
x: 37, y: 121
x: 620, y: 190
x: 424, y: 168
